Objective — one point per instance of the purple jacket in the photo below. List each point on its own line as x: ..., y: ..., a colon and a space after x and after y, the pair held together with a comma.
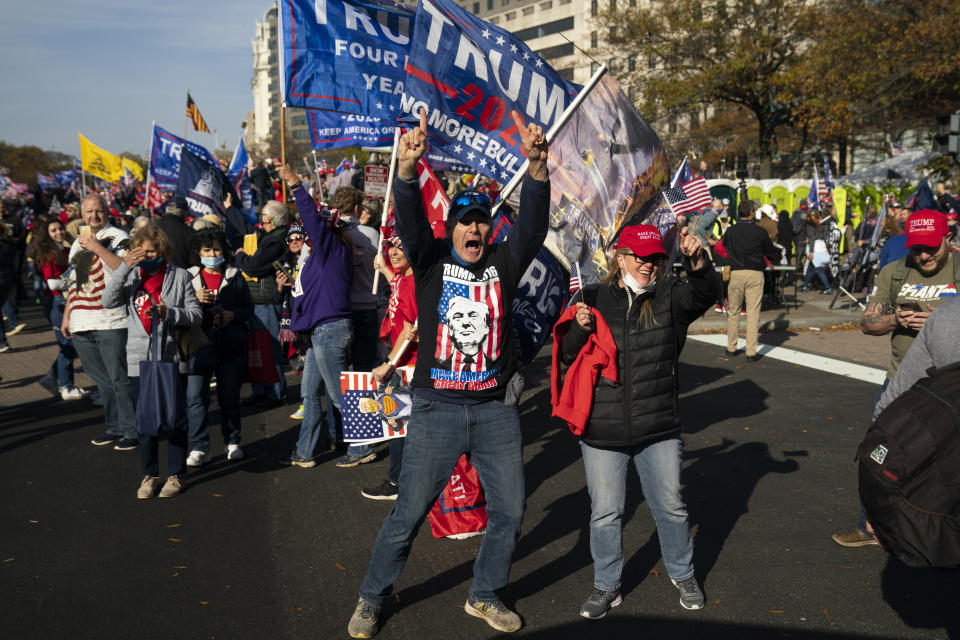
x: 326, y: 276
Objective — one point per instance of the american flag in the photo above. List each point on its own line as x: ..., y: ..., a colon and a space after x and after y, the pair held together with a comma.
x: 194, y: 114
x: 574, y: 278
x: 825, y: 187
x: 814, y: 196
x: 688, y: 196
x: 485, y: 291
x: 360, y: 426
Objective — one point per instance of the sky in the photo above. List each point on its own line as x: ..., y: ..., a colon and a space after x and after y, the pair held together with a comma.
x: 109, y: 68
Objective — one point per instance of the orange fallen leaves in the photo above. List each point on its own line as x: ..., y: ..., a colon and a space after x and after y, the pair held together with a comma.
x: 173, y: 526
x: 774, y: 611
x: 9, y: 560
x: 295, y: 610
x: 174, y: 539
x: 217, y: 495
x: 174, y: 574
x: 33, y: 521
x: 180, y: 566
x: 716, y: 602
x: 825, y: 613
x: 654, y: 572
x: 204, y: 602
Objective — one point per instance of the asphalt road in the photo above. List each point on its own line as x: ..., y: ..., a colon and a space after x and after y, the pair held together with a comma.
x: 255, y: 550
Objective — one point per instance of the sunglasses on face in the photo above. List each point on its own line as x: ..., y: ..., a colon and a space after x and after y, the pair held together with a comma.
x: 293, y: 239
x: 473, y: 197
x: 655, y: 259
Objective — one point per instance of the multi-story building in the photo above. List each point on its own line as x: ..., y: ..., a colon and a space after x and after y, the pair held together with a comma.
x: 263, y: 123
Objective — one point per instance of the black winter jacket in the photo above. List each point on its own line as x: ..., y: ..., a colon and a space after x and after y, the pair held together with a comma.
x: 644, y: 405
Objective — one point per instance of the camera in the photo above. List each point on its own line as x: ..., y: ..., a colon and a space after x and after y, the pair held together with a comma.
x: 743, y: 174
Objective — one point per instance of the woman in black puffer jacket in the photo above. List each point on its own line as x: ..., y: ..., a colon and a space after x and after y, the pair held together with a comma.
x: 637, y: 419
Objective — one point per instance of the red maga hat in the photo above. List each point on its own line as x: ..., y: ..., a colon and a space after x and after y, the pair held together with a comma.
x: 926, y: 227
x: 642, y: 239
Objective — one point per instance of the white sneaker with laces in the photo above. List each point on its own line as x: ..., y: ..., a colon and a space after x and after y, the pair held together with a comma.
x: 234, y: 452
x: 72, y: 393
x: 197, y: 458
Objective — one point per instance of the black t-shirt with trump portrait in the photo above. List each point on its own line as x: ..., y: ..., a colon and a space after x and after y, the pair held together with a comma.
x: 466, y: 352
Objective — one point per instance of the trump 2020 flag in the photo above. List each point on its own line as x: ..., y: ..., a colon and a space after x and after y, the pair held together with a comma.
x: 370, y: 415
x: 344, y: 55
x: 165, y: 152
x: 471, y: 76
x: 814, y: 196
x: 46, y: 182
x: 203, y: 185
x: 239, y: 177
x: 329, y: 130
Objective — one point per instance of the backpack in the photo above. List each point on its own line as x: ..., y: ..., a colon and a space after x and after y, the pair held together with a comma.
x: 909, y: 470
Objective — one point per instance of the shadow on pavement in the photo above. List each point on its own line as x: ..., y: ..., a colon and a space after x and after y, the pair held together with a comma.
x: 922, y: 597
x: 739, y: 399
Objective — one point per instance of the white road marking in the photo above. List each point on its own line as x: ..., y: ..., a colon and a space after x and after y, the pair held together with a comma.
x: 820, y: 363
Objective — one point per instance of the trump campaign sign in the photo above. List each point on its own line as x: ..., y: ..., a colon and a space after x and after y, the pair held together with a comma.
x: 165, y: 152
x: 329, y: 130
x: 344, y: 55
x: 475, y: 79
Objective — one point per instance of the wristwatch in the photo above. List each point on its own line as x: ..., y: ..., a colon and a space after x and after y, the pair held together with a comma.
x: 296, y: 185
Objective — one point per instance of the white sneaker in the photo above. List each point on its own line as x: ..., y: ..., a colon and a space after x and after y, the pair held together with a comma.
x: 4, y: 347
x: 197, y: 458
x: 17, y: 329
x: 234, y: 452
x: 49, y: 383
x: 72, y: 393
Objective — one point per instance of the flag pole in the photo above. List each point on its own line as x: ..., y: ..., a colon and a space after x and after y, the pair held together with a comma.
x: 283, y: 146
x: 386, y: 202
x: 146, y: 192
x: 551, y: 134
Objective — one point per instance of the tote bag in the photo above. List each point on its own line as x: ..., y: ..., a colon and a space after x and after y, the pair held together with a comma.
x: 261, y: 367
x: 162, y: 403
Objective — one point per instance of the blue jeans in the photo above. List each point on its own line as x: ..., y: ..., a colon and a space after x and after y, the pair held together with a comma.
x: 4, y: 292
x: 366, y: 329
x: 820, y: 272
x: 322, y: 365
x: 396, y: 460
x: 13, y: 318
x: 658, y: 466
x: 437, y: 434
x: 269, y: 315
x: 62, y: 367
x: 150, y: 448
x: 229, y: 378
x: 104, y: 358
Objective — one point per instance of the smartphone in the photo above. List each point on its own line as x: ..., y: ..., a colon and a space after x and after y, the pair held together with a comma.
x: 910, y: 306
x: 279, y: 267
x: 85, y: 230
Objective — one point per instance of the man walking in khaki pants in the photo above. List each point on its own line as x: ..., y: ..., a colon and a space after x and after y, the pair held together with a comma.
x: 747, y: 245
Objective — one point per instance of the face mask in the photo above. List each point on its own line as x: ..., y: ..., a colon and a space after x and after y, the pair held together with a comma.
x: 634, y: 285
x: 212, y: 263
x: 151, y: 265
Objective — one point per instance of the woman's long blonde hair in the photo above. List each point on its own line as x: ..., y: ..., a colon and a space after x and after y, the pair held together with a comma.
x: 613, y: 277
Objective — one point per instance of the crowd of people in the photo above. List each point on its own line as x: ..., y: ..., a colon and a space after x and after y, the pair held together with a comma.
x: 120, y: 285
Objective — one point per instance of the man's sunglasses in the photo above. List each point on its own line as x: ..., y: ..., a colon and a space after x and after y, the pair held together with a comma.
x: 472, y: 197
x: 293, y: 239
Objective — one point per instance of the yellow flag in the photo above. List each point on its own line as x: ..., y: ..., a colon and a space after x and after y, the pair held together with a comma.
x: 98, y: 162
x: 135, y: 170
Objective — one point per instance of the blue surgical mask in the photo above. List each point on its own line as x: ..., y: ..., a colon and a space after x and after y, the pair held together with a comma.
x: 151, y: 265
x: 212, y: 263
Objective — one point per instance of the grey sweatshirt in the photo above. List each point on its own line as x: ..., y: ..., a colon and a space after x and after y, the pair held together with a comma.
x: 937, y: 345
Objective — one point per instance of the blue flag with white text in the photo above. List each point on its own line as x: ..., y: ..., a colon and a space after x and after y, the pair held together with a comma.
x: 683, y: 174
x: 344, y: 55
x: 541, y: 296
x: 331, y: 130
x: 471, y: 75
x: 239, y: 178
x: 203, y: 185
x: 46, y: 182
x: 165, y: 153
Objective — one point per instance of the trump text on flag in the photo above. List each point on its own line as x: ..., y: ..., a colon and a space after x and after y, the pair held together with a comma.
x: 472, y: 78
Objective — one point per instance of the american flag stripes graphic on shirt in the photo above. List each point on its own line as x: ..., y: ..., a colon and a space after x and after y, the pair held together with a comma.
x: 463, y: 322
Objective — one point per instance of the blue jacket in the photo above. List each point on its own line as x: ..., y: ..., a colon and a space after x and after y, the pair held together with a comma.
x: 326, y: 276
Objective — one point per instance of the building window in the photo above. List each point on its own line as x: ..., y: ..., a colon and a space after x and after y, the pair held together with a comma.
x: 593, y: 8
x: 489, y: 5
x: 612, y: 65
x: 544, y: 29
x: 673, y: 127
x: 593, y: 67
x: 632, y: 63
x: 566, y: 74
x: 562, y: 2
x: 527, y: 11
x: 652, y: 62
x: 301, y: 133
x: 510, y: 15
x: 546, y: 5
x: 594, y: 41
x: 613, y: 4
x: 495, y: 20
x: 298, y: 121
x: 476, y: 7
x: 633, y: 3
x: 504, y: 3
x: 556, y: 52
